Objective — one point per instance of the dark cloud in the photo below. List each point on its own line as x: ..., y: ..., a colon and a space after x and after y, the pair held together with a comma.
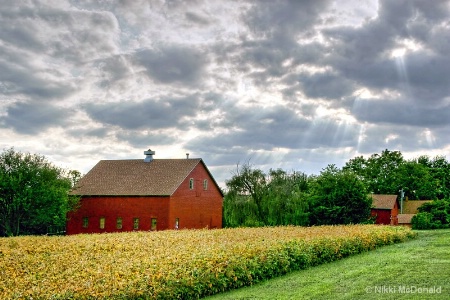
x: 150, y: 114
x: 70, y: 34
x: 21, y: 78
x: 173, y: 64
x: 395, y: 111
x: 22, y: 37
x: 270, y: 19
x: 114, y: 69
x: 275, y: 28
x: 42, y: 46
x: 80, y: 44
x: 197, y: 18
x: 99, y: 132
x: 145, y: 139
x: 33, y: 117
x: 325, y: 85
x: 426, y: 77
x: 266, y: 129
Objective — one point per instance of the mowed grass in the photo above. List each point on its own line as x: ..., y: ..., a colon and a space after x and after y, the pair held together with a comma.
x: 399, y: 271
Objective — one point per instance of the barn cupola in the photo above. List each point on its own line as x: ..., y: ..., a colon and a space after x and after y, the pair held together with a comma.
x: 149, y: 155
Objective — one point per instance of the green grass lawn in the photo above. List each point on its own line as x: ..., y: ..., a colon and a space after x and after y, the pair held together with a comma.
x: 400, y: 271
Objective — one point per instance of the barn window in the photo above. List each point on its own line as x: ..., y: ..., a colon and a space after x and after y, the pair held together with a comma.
x: 85, y: 222
x: 177, y: 223
x: 205, y: 184
x: 153, y: 226
x: 119, y: 223
x: 102, y: 222
x: 136, y: 223
x: 191, y: 183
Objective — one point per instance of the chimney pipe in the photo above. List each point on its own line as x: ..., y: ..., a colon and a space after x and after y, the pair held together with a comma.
x: 149, y: 155
x: 187, y: 155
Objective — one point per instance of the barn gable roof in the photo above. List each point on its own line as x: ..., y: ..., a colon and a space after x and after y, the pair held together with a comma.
x: 405, y: 218
x: 411, y: 206
x: 383, y: 201
x: 134, y: 177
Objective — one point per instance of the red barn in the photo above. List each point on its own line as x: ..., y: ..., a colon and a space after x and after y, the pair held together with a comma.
x: 150, y: 194
x: 385, y: 208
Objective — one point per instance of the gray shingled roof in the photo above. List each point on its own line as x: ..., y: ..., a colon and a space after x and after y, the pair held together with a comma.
x: 160, y: 177
x: 383, y: 201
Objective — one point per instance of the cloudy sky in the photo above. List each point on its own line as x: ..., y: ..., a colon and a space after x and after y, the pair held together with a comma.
x: 295, y: 85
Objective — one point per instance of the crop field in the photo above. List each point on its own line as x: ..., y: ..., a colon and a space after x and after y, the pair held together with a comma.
x: 185, y: 264
x: 417, y: 269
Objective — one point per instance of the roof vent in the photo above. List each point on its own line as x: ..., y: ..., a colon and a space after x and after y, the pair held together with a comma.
x: 187, y: 155
x: 149, y: 155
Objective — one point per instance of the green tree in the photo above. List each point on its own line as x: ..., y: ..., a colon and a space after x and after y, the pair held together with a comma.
x: 255, y: 198
x: 379, y: 171
x: 338, y: 197
x: 439, y: 169
x: 415, y: 180
x: 285, y: 201
x: 358, y: 165
x: 247, y: 187
x: 239, y: 210
x: 34, y: 194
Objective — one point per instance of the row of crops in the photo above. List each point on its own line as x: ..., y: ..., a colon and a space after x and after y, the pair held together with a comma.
x: 185, y: 264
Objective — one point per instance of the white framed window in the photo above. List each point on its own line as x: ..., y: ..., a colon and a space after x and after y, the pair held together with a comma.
x: 191, y: 183
x: 205, y: 184
x: 102, y: 222
x: 85, y: 222
x: 136, y: 223
x: 154, y: 221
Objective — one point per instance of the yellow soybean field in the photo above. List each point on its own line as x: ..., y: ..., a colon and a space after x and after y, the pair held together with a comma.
x: 185, y: 264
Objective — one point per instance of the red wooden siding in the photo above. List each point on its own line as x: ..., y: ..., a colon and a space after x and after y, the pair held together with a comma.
x: 386, y: 216
x: 196, y: 208
x: 113, y: 207
x: 394, y: 213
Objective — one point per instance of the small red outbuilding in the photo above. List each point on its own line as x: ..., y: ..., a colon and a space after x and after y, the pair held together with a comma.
x: 385, y: 209
x: 150, y: 194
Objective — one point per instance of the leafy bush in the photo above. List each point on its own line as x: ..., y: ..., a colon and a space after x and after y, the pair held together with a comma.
x: 433, y: 215
x: 423, y: 220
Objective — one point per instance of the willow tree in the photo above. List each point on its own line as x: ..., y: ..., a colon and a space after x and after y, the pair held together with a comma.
x: 256, y: 198
x: 245, y: 193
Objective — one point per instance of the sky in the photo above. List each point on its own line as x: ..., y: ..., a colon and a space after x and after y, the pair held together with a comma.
x: 295, y: 85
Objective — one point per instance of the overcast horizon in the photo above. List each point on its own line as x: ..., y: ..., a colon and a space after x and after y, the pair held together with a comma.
x: 295, y: 85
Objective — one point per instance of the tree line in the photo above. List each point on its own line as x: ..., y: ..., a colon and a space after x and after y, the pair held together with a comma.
x: 336, y: 195
x: 35, y: 195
